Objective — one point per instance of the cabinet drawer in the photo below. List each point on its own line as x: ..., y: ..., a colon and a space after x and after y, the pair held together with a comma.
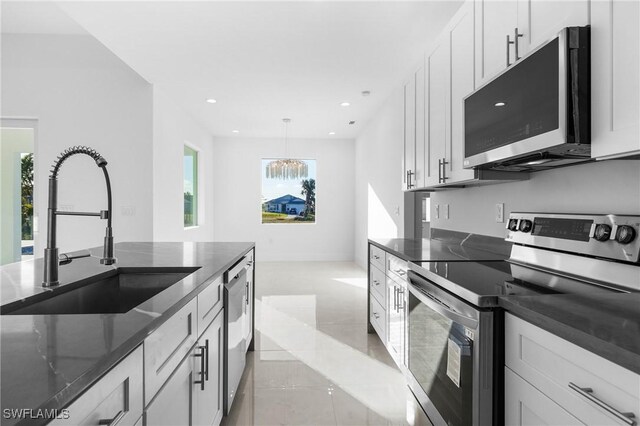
x: 377, y: 317
x: 377, y: 283
x: 559, y: 368
x: 526, y: 405
x: 397, y: 267
x: 116, y: 395
x: 209, y: 304
x: 167, y: 346
x: 377, y: 256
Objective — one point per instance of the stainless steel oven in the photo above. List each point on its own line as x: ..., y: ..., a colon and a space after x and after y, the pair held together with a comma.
x: 450, y: 355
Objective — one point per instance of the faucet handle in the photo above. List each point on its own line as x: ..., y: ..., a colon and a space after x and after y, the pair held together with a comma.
x: 65, y: 259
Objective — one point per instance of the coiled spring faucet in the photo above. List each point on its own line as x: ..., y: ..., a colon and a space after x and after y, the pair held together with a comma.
x: 51, y: 257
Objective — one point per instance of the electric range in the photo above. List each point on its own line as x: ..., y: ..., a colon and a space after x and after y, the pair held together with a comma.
x: 454, y: 326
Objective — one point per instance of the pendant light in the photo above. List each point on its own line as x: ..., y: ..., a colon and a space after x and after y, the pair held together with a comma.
x: 286, y: 168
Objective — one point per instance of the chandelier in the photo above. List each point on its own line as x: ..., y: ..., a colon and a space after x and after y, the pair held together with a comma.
x: 286, y: 168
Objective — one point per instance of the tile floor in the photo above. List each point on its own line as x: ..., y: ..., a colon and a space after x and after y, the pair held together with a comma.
x: 314, y: 363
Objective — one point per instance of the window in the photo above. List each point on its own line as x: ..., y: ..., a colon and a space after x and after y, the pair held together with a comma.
x: 288, y: 191
x: 190, y: 169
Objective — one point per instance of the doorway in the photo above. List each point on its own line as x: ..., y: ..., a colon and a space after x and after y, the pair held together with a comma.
x: 18, y: 222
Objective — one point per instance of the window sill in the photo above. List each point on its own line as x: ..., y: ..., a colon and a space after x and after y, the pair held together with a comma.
x: 188, y: 228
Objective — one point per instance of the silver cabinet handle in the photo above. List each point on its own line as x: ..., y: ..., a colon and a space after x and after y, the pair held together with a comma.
x: 400, y: 300
x: 442, y: 175
x: 395, y: 298
x: 587, y: 393
x: 376, y: 282
x: 515, y: 41
x: 409, y: 183
x: 509, y: 42
x: 206, y: 362
x: 202, y: 356
x: 114, y: 421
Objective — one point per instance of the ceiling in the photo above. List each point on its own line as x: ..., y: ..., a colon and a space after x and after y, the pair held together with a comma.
x: 262, y: 61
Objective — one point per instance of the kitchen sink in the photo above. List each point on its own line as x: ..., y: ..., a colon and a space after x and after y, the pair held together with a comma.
x: 118, y: 291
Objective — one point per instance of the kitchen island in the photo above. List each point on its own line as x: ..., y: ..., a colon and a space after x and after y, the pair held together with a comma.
x: 49, y: 360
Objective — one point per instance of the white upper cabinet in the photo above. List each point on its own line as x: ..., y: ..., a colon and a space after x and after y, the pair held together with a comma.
x: 495, y: 20
x: 409, y: 168
x: 615, y: 81
x: 539, y: 21
x: 508, y: 30
x: 462, y: 83
x: 437, y: 64
x: 420, y: 141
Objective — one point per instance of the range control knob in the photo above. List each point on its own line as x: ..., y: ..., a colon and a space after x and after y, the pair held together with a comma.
x: 513, y: 224
x: 525, y: 225
x: 602, y: 232
x: 625, y: 234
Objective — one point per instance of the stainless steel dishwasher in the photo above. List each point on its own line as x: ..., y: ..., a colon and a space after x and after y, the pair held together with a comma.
x: 235, y: 342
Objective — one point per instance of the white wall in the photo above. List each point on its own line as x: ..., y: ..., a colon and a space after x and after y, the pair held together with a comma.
x: 379, y: 198
x: 172, y: 128
x: 237, y: 186
x: 82, y: 94
x: 601, y: 187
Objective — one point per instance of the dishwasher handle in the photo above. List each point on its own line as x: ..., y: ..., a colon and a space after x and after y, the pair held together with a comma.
x: 236, y: 270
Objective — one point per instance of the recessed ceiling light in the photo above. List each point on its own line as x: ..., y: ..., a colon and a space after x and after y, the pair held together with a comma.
x: 366, y: 92
x: 499, y: 104
x: 211, y: 101
x: 235, y: 131
x: 332, y: 133
x: 345, y: 104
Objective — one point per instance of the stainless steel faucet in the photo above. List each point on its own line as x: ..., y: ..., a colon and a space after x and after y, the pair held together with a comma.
x: 51, y: 258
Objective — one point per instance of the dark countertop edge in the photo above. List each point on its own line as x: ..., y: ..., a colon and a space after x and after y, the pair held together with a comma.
x: 604, y: 349
x: 386, y: 248
x: 74, y: 390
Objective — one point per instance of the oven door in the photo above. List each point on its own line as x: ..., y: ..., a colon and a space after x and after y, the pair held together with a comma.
x: 443, y: 339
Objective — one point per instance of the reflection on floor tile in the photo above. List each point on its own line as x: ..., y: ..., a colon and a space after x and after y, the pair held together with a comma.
x: 314, y: 362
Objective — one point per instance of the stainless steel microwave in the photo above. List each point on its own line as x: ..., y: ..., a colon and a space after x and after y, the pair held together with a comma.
x: 536, y: 113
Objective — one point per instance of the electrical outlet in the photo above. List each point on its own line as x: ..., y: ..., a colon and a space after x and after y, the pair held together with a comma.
x: 446, y: 211
x: 437, y: 211
x: 500, y: 212
x: 128, y: 210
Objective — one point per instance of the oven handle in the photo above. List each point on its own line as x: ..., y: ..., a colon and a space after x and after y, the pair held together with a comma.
x: 437, y: 305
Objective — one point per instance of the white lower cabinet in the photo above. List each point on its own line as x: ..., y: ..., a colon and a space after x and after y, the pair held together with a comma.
x: 208, y: 398
x: 583, y: 385
x: 193, y: 393
x: 174, y: 403
x: 115, y: 399
x: 527, y: 406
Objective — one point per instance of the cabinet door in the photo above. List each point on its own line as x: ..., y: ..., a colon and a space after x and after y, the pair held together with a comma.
x: 395, y: 317
x: 615, y: 42
x: 540, y: 21
x: 420, y: 141
x: 438, y: 107
x: 208, y: 401
x: 526, y: 405
x: 462, y: 83
x: 494, y: 21
x: 409, y: 131
x: 173, y: 404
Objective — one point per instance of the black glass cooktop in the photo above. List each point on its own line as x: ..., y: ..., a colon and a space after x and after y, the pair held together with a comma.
x: 481, y: 283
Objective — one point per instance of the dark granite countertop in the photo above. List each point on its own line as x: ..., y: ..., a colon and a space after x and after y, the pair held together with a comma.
x: 48, y: 360
x: 607, y: 324
x: 450, y: 249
